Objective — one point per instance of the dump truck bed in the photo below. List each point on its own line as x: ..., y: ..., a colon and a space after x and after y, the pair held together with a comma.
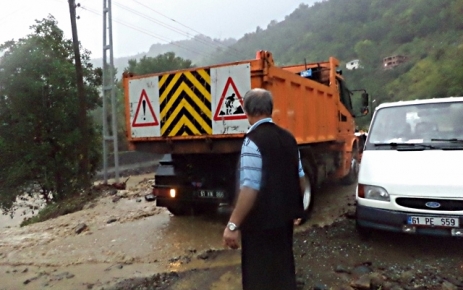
x: 200, y: 110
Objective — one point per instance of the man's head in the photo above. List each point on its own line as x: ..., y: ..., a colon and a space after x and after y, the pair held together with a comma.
x: 258, y: 104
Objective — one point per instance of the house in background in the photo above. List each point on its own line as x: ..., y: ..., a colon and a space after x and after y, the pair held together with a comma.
x: 353, y: 64
x: 391, y: 62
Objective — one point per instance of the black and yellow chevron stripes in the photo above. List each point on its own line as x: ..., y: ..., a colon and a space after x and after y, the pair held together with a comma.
x: 185, y: 103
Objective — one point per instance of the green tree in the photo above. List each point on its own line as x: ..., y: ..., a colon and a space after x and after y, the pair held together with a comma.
x: 39, y: 136
x: 161, y: 63
x: 366, y: 52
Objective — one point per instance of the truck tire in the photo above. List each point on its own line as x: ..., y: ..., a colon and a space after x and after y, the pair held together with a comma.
x: 352, y: 176
x: 307, y: 198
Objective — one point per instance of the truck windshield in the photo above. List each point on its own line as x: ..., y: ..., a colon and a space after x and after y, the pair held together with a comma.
x: 439, y: 124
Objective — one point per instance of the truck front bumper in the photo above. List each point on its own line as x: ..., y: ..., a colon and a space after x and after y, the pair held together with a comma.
x: 395, y: 221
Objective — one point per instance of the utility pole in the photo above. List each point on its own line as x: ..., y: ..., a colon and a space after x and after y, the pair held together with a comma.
x: 83, y: 146
x: 108, y: 91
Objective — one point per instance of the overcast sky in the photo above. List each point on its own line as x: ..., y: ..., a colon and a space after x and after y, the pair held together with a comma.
x: 137, y: 24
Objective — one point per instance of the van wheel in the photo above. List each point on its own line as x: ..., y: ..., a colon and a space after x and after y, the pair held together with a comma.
x: 352, y: 176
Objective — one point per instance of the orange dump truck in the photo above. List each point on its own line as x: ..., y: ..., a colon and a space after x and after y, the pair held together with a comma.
x: 195, y: 116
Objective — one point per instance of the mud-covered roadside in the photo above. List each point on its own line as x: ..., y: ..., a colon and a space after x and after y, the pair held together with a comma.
x: 331, y: 255
x: 122, y: 241
x: 334, y: 257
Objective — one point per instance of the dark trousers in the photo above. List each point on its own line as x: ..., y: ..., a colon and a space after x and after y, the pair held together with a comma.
x: 267, y: 260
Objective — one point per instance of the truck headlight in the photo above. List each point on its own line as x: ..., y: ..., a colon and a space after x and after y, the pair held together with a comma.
x: 372, y: 192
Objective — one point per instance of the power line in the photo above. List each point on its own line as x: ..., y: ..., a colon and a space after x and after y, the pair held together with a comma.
x: 184, y: 25
x: 144, y: 31
x: 170, y: 27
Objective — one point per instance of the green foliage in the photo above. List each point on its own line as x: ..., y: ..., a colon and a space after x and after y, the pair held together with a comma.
x: 425, y: 80
x: 161, y: 63
x: 367, y: 49
x: 39, y: 137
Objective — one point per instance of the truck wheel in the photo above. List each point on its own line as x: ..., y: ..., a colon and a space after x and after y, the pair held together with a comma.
x: 179, y: 210
x: 307, y: 198
x: 352, y: 176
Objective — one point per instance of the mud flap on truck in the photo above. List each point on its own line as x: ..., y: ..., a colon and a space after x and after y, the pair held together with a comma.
x: 354, y: 166
x: 195, y: 183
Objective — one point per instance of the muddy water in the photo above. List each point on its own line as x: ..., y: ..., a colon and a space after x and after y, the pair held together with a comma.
x: 142, y: 240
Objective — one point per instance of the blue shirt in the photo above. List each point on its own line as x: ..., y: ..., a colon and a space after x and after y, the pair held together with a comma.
x: 251, y: 161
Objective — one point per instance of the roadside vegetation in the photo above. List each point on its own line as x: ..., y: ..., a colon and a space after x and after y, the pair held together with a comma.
x: 39, y: 136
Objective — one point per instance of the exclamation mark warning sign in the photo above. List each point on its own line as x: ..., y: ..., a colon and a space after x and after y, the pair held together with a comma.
x: 144, y: 109
x: 145, y: 119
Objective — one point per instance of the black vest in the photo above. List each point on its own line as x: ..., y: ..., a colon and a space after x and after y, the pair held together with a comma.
x: 279, y: 200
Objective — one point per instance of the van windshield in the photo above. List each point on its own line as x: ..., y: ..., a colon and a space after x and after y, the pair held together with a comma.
x: 421, y: 123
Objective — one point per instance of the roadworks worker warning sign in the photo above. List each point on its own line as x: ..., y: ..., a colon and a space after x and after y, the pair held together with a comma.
x: 230, y: 105
x: 229, y: 85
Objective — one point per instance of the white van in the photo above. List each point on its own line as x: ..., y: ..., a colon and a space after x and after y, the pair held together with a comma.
x: 411, y: 175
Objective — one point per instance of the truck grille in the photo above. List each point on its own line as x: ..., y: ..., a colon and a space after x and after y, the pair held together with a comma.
x: 420, y: 203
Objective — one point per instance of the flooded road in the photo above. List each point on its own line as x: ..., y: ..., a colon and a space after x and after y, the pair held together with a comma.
x: 123, y: 238
x: 122, y: 241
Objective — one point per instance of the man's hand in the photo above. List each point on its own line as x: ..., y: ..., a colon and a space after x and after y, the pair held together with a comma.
x: 246, y: 199
x: 231, y: 239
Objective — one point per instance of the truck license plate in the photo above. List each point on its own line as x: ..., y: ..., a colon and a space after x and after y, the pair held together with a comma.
x: 211, y: 194
x: 433, y: 221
